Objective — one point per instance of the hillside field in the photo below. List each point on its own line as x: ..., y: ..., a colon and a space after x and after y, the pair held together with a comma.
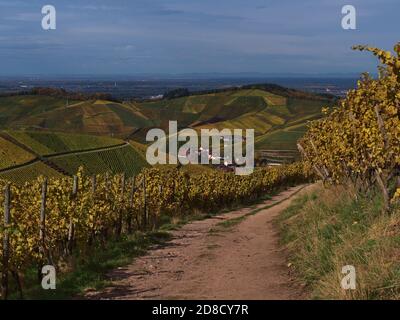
x: 242, y: 109
x: 54, y: 135
x: 254, y: 107
x: 26, y: 155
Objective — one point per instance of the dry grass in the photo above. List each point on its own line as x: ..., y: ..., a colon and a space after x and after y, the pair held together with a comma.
x: 328, y: 229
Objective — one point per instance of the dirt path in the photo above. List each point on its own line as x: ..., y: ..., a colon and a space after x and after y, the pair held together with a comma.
x: 205, y: 260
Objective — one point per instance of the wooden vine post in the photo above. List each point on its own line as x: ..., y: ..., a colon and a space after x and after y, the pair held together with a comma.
x: 93, y: 191
x: 120, y: 211
x: 144, y: 203
x: 158, y: 212
x: 94, y: 185
x: 43, y: 215
x: 131, y: 197
x: 75, y: 188
x: 42, y: 231
x: 6, y: 241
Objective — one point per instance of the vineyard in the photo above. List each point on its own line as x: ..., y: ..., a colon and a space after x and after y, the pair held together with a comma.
x: 34, y: 119
x: 115, y: 160
x: 47, y: 143
x: 27, y: 155
x: 11, y: 155
x: 359, y: 141
x: 47, y: 220
x: 14, y: 109
x: 29, y: 172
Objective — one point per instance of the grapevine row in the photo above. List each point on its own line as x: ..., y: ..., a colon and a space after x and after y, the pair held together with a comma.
x: 49, y: 220
x: 359, y: 141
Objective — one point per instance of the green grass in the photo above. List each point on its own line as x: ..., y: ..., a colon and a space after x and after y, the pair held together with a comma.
x: 142, y: 148
x: 328, y: 229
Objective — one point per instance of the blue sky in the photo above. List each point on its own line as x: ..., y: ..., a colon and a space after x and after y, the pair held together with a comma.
x: 186, y: 36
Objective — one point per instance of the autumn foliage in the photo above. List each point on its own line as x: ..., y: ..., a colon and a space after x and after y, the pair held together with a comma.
x: 359, y: 140
x: 95, y: 209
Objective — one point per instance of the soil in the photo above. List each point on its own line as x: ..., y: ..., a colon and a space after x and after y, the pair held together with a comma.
x: 205, y: 260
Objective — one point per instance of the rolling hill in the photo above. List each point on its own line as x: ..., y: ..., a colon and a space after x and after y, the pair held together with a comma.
x: 97, y: 117
x: 55, y: 135
x: 17, y: 109
x: 249, y: 107
x: 270, y: 114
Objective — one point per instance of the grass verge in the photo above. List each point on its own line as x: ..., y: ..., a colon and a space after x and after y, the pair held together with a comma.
x: 329, y: 228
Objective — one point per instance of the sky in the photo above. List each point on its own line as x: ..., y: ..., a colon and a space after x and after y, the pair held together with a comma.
x: 131, y: 37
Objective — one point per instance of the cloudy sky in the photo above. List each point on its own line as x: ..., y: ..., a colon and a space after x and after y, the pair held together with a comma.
x: 186, y: 36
